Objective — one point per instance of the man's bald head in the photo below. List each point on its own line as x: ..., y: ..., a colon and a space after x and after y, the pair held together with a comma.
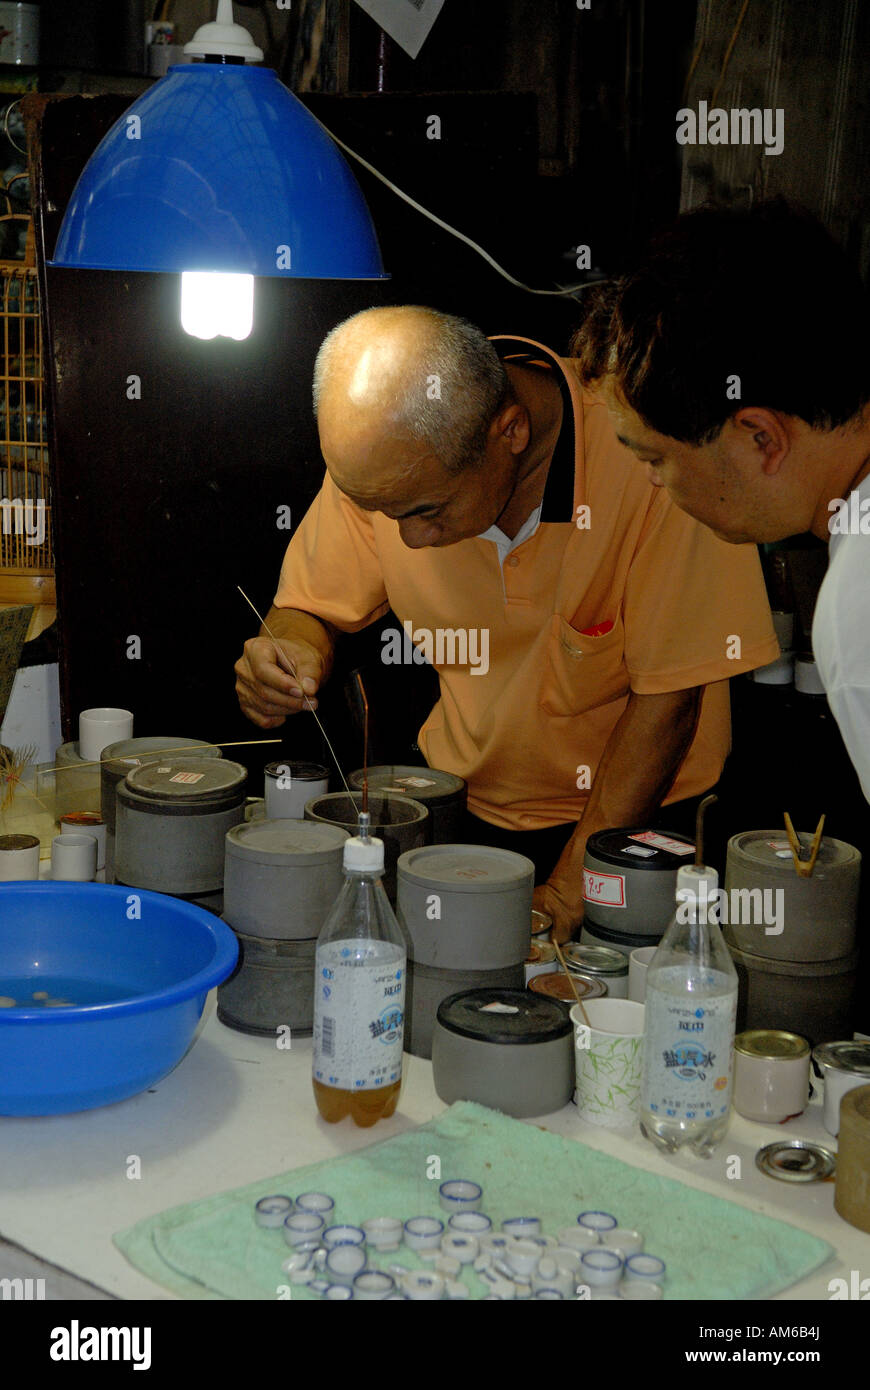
x: 415, y: 372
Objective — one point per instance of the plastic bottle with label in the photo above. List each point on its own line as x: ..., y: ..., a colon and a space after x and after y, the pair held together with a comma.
x: 359, y: 994
x: 691, y: 1008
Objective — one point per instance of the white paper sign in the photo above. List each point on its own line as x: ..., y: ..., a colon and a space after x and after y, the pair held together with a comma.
x: 407, y: 21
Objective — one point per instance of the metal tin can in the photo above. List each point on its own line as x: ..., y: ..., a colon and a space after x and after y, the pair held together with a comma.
x: 771, y: 1075
x: 599, y: 963
x: 541, y: 960
x: 842, y: 1066
x: 558, y: 986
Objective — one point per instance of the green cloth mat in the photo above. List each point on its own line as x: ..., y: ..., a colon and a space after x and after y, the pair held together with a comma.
x: 713, y: 1248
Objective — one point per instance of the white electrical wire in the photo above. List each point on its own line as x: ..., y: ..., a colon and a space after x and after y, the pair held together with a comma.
x: 418, y: 207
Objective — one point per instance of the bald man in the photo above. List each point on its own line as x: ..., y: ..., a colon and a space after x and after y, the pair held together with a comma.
x: 735, y: 364
x: 473, y: 487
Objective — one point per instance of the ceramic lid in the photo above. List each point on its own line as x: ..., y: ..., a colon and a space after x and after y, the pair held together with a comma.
x: 770, y: 849
x: 427, y: 784
x: 466, y: 868
x: 512, y: 1016
x: 128, y: 753
x: 286, y: 842
x: 187, y: 779
x: 639, y: 848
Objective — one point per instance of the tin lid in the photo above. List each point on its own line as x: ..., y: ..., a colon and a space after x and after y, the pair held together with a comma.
x: 15, y: 842
x: 594, y: 960
x: 511, y: 1016
x: 844, y: 1056
x: 558, y: 986
x: 465, y: 868
x: 300, y: 772
x: 128, y: 753
x: 796, y: 1160
x: 542, y: 922
x: 772, y: 1043
x: 187, y: 779
x: 541, y: 953
x: 639, y: 848
x: 426, y: 784
x: 279, y: 843
x: 770, y: 849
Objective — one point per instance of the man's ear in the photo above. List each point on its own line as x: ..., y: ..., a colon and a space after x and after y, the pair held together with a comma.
x: 512, y: 423
x: 764, y: 431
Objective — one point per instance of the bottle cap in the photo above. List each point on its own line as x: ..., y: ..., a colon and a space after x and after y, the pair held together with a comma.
x: 696, y: 882
x: 365, y: 855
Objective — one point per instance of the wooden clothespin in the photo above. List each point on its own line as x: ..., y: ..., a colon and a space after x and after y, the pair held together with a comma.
x: 804, y: 867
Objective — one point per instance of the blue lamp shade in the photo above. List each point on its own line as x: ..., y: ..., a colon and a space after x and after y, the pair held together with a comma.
x: 220, y: 168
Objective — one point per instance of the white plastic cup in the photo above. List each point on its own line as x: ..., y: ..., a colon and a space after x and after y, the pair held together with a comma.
x: 638, y: 964
x: 87, y: 823
x: 100, y: 727
x: 19, y: 858
x: 74, y: 858
x: 609, y: 1061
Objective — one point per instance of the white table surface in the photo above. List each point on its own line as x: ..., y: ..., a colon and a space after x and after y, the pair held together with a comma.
x: 238, y: 1109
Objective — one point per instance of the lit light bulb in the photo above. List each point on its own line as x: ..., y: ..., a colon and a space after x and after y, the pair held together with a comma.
x: 214, y: 304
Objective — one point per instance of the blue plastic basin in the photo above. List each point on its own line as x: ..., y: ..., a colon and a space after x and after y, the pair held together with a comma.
x: 84, y: 942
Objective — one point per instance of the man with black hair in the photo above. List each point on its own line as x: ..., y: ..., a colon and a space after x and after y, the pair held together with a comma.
x: 735, y: 363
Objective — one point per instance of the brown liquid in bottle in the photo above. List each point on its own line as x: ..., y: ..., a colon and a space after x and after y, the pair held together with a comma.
x: 364, y: 1107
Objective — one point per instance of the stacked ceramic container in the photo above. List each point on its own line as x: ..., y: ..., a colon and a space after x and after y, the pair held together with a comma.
x: 171, y: 820
x: 629, y: 886
x: 281, y: 878
x: 466, y: 911
x: 793, y: 938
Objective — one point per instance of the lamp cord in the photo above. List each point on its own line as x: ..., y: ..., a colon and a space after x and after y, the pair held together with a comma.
x: 439, y: 222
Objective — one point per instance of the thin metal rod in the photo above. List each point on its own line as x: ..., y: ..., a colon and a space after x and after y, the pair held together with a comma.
x: 699, y: 830
x: 293, y: 672
x: 365, y: 786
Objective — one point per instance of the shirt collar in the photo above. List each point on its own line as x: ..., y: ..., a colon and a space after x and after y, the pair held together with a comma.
x: 558, y: 500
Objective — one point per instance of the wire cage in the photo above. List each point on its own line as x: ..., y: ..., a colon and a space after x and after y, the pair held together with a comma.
x: 26, y: 556
x: 25, y: 502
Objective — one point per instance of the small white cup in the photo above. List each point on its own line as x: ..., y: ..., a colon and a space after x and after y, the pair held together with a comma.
x: 19, y: 858
x: 74, y: 858
x: 608, y: 1056
x: 601, y: 1268
x: 373, y: 1285
x: 624, y: 1241
x: 344, y: 1263
x: 639, y: 1291
x: 87, y: 823
x: 288, y: 786
x: 100, y: 727
x: 638, y: 964
x: 383, y: 1232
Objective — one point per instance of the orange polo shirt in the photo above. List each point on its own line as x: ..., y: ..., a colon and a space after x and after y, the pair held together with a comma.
x: 679, y: 608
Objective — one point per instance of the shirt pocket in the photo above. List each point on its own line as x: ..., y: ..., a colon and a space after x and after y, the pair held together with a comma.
x: 582, y: 672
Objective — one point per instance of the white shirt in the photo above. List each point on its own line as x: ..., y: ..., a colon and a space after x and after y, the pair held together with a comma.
x: 841, y: 628
x: 503, y: 543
